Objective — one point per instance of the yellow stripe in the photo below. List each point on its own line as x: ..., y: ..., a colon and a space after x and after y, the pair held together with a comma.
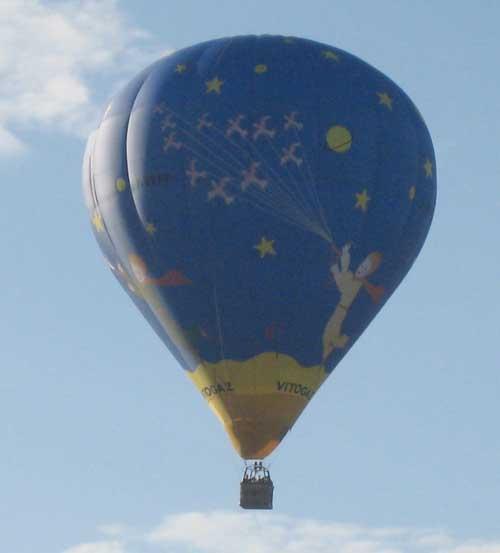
x: 259, y: 399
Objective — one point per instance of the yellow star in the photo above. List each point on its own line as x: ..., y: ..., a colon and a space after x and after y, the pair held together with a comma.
x: 260, y: 68
x: 180, y: 68
x: 385, y: 99
x: 412, y: 193
x: 150, y: 228
x: 362, y: 200
x: 97, y: 221
x: 428, y: 168
x: 288, y: 40
x: 331, y: 55
x: 214, y: 85
x: 265, y: 247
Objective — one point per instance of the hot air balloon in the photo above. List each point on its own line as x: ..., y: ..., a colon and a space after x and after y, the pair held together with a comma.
x: 259, y: 198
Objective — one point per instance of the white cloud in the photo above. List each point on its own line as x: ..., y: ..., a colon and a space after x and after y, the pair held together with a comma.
x: 477, y: 547
x: 97, y: 547
x: 9, y: 144
x: 227, y: 532
x: 268, y: 533
x: 113, y: 529
x: 51, y: 57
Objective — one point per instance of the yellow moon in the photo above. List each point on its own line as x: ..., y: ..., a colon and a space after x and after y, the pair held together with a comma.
x: 339, y: 139
x: 121, y: 184
x: 261, y: 68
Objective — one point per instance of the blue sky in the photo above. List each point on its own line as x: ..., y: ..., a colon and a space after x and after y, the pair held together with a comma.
x: 106, y: 447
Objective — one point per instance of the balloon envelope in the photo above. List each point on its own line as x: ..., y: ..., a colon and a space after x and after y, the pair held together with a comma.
x: 259, y: 199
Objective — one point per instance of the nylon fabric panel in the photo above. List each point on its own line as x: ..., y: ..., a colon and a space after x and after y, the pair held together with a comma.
x: 260, y: 199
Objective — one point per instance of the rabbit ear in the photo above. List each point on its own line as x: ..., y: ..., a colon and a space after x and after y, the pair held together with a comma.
x: 375, y: 260
x: 345, y: 259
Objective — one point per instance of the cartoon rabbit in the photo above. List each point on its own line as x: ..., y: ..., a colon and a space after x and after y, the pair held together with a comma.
x: 349, y: 284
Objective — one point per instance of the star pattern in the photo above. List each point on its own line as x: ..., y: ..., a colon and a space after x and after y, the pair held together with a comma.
x: 150, y: 228
x: 223, y: 155
x: 362, y: 200
x: 214, y: 85
x: 428, y: 168
x: 265, y: 247
x: 385, y: 100
x: 97, y: 221
x: 219, y: 188
x: 331, y: 55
